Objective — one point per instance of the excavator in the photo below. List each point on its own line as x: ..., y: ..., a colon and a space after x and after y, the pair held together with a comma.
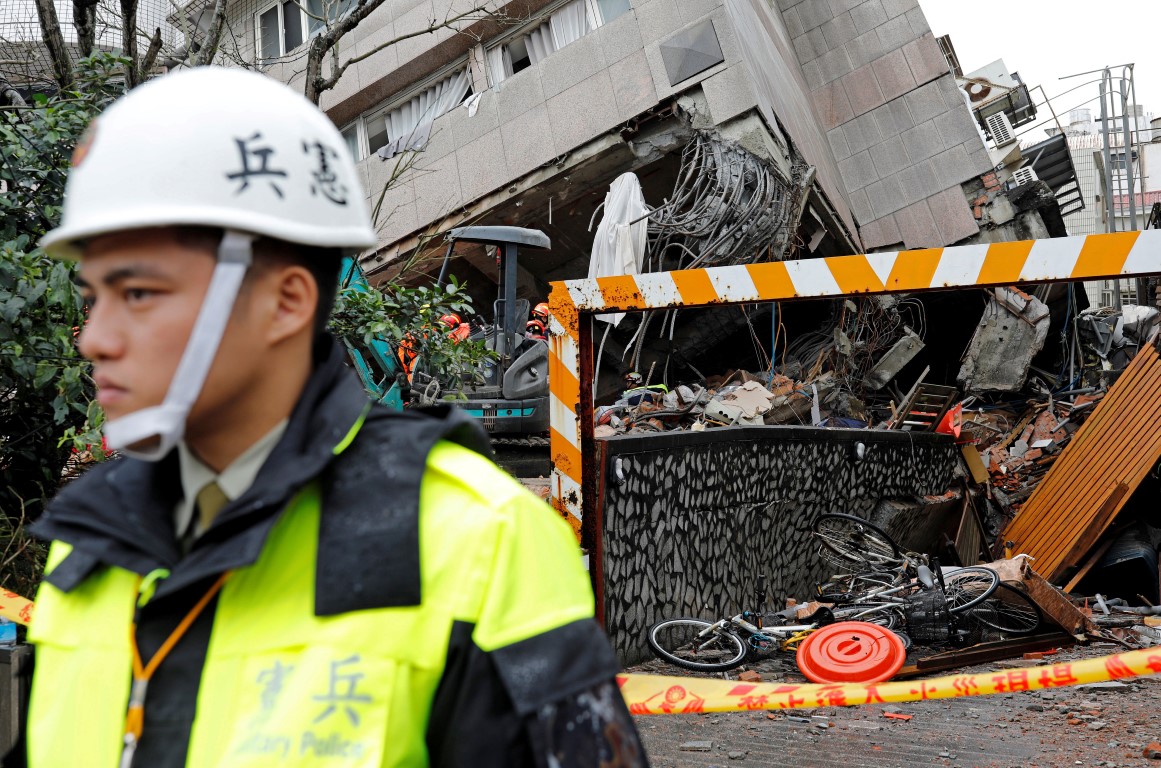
x: 510, y: 394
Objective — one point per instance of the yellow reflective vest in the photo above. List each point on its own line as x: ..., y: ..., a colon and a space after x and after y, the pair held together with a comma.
x: 282, y: 686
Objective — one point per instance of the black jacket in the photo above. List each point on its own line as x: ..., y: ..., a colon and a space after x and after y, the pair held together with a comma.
x: 121, y: 514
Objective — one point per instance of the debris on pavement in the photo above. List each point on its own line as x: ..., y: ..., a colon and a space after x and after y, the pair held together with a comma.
x: 1039, y: 437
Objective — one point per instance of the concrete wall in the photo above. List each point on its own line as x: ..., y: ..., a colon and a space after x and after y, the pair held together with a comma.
x: 897, y: 124
x: 691, y: 519
x: 782, y: 94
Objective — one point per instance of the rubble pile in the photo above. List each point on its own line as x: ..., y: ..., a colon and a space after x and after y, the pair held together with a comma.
x: 1018, y: 449
x: 1014, y: 410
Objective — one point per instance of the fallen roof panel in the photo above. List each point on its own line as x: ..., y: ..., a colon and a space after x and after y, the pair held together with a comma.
x: 1096, y: 473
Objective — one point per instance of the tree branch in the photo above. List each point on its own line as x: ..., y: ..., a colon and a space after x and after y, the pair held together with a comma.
x: 129, y: 40
x: 62, y: 66
x: 213, y: 39
x: 316, y: 83
x: 85, y: 21
x: 150, y: 56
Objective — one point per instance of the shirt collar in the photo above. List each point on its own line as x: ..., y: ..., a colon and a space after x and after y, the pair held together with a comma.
x: 234, y: 480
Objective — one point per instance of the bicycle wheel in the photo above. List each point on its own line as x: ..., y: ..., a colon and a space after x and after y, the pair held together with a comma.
x: 968, y: 587
x: 1009, y: 610
x: 854, y: 541
x: 855, y: 586
x: 680, y: 642
x: 885, y: 615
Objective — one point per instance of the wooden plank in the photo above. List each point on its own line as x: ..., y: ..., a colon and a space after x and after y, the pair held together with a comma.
x: 982, y: 653
x: 1119, y: 443
x: 975, y: 463
x: 1100, y: 521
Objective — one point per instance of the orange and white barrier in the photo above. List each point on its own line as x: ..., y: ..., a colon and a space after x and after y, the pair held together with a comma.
x: 1121, y: 254
x: 659, y: 695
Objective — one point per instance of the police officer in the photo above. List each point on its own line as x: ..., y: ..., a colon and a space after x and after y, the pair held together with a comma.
x: 279, y: 572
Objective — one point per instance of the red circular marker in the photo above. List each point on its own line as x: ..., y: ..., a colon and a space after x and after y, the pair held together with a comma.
x: 851, y: 652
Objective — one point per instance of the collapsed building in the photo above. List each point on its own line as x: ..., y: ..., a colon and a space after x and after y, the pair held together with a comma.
x: 662, y: 135
x: 754, y: 133
x: 848, y: 127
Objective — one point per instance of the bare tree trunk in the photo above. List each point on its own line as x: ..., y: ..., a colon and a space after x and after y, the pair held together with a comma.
x: 313, y: 89
x: 129, y: 40
x: 85, y: 21
x: 150, y: 56
x: 209, y: 48
x: 62, y: 65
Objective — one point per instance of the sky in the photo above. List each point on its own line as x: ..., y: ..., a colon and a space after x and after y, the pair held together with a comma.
x: 1046, y: 39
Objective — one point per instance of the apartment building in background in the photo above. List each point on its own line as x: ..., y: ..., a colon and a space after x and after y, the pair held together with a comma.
x: 849, y: 106
x: 1086, y: 146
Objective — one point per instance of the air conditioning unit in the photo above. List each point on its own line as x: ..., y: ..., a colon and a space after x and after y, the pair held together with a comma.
x: 1001, y: 129
x: 1024, y: 176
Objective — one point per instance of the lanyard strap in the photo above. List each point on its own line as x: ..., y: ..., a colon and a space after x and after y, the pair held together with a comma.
x: 142, y: 673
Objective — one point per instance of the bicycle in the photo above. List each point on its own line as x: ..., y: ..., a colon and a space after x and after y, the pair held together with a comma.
x: 717, y: 646
x: 1009, y: 610
x: 883, y: 570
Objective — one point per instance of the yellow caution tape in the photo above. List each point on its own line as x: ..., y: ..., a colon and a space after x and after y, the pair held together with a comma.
x: 661, y: 695
x: 15, y: 608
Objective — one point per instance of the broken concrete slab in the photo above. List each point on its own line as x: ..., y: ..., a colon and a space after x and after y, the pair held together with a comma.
x: 1010, y: 333
x: 891, y: 363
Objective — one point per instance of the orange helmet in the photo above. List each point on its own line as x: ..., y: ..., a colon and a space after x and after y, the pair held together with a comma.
x: 534, y: 329
x: 540, y: 311
x: 451, y: 320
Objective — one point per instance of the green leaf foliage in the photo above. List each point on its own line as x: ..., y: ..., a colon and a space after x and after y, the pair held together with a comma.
x: 399, y: 312
x: 46, y: 406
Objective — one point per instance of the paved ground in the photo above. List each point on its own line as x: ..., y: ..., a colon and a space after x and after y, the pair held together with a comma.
x: 1088, y: 726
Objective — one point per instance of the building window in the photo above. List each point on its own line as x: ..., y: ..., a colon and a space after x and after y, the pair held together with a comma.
x: 281, y: 28
x: 353, y: 135
x: 566, y: 24
x: 405, y: 122
x: 320, y: 12
x: 1118, y: 160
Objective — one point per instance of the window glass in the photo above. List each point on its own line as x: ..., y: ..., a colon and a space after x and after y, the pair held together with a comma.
x: 518, y: 52
x: 268, y: 33
x: 292, y: 24
x: 315, y: 20
x: 377, y: 133
x: 319, y: 12
x: 611, y: 9
x: 351, y: 136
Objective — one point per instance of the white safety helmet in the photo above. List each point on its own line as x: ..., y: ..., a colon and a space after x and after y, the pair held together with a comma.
x: 210, y: 147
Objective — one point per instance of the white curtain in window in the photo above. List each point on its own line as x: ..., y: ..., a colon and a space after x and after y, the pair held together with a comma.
x: 409, y: 125
x: 540, y: 43
x: 569, y: 24
x: 499, y: 64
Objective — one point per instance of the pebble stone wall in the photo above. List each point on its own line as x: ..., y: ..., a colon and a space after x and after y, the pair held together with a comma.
x: 691, y: 519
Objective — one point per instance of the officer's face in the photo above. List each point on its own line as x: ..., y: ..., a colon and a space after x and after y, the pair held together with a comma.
x: 144, y: 289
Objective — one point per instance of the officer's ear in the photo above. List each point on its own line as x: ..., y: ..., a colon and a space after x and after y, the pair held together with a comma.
x: 294, y: 296
x: 284, y: 291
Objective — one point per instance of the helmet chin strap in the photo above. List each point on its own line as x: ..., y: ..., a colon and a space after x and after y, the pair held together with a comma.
x: 151, y: 433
